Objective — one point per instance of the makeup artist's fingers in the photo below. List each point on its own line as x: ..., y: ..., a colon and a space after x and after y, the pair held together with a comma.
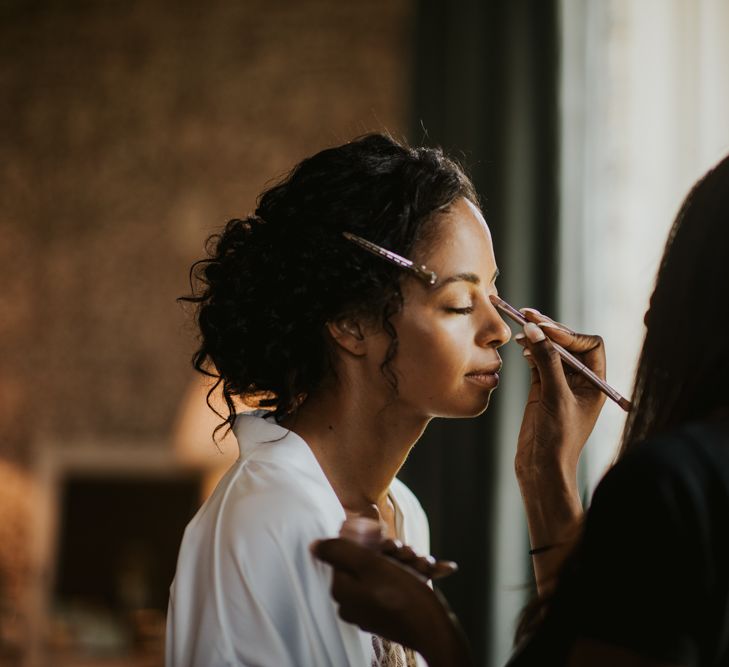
x: 589, y: 348
x: 344, y: 555
x: 533, y: 315
x: 521, y: 340
x: 423, y: 565
x: 576, y: 343
x: 526, y: 353
x: 443, y: 568
x: 407, y: 557
x: 427, y: 566
x: 548, y: 364
x: 390, y: 546
x: 390, y: 600
x: 354, y: 560
x: 397, y: 550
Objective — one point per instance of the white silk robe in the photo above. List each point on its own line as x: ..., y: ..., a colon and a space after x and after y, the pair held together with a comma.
x: 247, y: 590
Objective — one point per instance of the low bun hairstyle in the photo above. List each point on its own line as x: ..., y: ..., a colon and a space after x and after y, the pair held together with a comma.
x: 273, y: 280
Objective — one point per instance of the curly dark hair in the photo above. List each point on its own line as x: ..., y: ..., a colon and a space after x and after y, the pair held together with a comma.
x: 273, y: 280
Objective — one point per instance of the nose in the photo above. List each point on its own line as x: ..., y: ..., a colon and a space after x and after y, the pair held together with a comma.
x: 494, y: 331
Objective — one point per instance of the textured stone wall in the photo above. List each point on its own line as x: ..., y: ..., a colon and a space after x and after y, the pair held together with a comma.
x: 129, y: 131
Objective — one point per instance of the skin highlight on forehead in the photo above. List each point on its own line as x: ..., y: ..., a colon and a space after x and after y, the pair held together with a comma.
x: 435, y: 232
x: 479, y: 216
x: 457, y: 234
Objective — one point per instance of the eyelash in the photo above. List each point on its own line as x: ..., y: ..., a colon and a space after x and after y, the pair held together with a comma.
x: 460, y: 311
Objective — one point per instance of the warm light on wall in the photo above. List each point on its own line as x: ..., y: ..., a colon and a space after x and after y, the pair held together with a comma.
x: 17, y: 566
x: 192, y: 436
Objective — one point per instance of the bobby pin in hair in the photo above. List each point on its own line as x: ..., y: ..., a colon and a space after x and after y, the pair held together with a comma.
x: 421, y: 272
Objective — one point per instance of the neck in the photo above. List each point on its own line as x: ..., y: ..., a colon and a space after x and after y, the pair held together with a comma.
x: 360, y: 444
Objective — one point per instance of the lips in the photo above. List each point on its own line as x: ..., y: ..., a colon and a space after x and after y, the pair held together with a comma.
x: 487, y: 370
x: 485, y: 377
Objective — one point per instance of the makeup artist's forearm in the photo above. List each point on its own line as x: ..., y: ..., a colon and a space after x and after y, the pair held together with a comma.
x: 447, y: 645
x: 553, y: 511
x: 548, y: 563
x: 551, y: 500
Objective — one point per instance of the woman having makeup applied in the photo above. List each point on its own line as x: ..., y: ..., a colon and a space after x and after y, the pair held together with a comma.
x: 347, y: 358
x: 644, y: 582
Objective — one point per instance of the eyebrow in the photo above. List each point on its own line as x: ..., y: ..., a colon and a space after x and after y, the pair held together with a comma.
x: 465, y: 277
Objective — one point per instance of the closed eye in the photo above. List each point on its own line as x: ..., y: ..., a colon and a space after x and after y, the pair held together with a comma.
x: 460, y: 311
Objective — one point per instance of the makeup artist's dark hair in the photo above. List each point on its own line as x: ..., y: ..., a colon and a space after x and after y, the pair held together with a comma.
x: 272, y: 280
x: 682, y: 373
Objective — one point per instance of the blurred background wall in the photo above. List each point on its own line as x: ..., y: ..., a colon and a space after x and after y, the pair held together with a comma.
x: 129, y: 131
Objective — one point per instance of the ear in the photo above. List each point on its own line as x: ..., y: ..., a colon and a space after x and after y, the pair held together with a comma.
x: 348, y: 334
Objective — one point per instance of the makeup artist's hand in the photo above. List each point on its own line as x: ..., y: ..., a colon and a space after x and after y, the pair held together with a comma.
x: 382, y: 596
x: 560, y: 413
x: 562, y: 405
x: 426, y: 567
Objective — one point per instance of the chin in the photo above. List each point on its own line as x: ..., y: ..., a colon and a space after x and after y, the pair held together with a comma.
x: 478, y: 412
x: 464, y: 411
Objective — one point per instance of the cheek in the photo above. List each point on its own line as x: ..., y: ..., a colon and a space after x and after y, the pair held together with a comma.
x: 436, y: 349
